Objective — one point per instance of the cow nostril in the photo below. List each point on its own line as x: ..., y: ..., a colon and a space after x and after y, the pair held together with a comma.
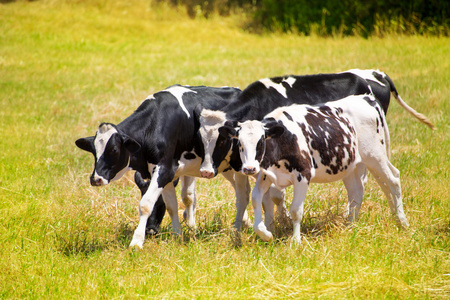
x: 249, y: 171
x: 96, y: 181
x: 207, y: 174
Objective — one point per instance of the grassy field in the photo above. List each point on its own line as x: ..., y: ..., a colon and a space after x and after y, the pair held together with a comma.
x: 64, y: 68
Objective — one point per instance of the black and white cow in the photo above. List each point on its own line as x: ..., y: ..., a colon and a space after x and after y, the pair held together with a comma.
x: 302, y: 144
x: 159, y: 140
x: 265, y: 95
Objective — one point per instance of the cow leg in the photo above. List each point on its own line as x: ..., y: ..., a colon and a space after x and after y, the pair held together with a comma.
x: 161, y: 178
x: 273, y: 197
x: 354, y: 183
x: 261, y: 188
x: 145, y: 209
x: 277, y: 197
x: 241, y: 187
x: 156, y: 217
x: 298, y: 201
x: 189, y: 199
x: 388, y: 177
x: 268, y: 207
x: 170, y: 199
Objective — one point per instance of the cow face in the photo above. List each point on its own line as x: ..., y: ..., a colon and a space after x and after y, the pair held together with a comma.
x: 252, y: 136
x: 217, y: 147
x: 112, y: 152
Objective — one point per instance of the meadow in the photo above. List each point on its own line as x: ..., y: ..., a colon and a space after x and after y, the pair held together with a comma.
x: 66, y: 66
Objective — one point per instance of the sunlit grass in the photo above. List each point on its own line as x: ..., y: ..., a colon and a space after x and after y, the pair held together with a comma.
x: 67, y: 66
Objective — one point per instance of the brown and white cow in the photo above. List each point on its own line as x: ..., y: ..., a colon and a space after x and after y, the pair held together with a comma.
x: 303, y: 144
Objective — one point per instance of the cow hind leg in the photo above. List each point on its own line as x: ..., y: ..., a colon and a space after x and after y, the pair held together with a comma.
x: 277, y: 197
x: 388, y: 178
x: 274, y: 197
x: 268, y: 207
x: 170, y: 199
x: 354, y: 184
x: 189, y: 199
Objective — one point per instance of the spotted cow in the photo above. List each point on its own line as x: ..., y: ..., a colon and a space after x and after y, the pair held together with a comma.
x: 303, y: 144
x: 265, y: 95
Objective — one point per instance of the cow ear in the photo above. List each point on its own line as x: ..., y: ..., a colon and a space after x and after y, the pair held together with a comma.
x: 131, y: 145
x: 230, y: 123
x: 274, y: 130
x: 228, y: 131
x: 86, y: 144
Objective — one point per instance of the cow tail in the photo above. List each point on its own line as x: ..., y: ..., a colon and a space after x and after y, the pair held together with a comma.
x: 408, y: 108
x: 387, y: 138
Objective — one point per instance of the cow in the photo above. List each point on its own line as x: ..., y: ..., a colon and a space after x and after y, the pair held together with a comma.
x: 160, y: 140
x: 303, y: 144
x: 265, y: 95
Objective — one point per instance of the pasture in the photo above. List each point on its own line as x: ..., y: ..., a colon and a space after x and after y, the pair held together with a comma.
x: 65, y: 67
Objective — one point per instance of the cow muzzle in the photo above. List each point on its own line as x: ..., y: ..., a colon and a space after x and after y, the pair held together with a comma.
x: 249, y: 170
x: 97, y: 181
x: 206, y: 173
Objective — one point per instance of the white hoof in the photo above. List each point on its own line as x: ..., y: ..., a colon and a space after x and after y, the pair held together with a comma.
x: 263, y: 233
x: 403, y: 223
x: 136, y: 244
x: 137, y: 241
x: 296, y: 240
x: 246, y: 224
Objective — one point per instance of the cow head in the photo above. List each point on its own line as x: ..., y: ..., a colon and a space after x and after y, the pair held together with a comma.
x: 112, y: 151
x: 216, y: 147
x: 251, y: 137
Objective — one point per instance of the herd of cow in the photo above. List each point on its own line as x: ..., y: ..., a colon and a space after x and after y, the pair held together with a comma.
x: 292, y: 130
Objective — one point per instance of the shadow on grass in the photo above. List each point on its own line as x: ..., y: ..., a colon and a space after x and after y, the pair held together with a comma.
x: 79, y: 243
x: 210, y: 227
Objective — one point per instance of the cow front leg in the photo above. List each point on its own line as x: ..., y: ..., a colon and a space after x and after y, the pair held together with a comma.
x: 241, y: 187
x: 261, y: 187
x: 146, y: 206
x: 298, y: 201
x: 189, y: 199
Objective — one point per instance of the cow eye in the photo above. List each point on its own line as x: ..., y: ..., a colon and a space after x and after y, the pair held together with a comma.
x: 115, y: 150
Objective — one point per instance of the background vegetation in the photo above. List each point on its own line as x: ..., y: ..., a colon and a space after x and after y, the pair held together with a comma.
x: 330, y: 17
x: 66, y: 66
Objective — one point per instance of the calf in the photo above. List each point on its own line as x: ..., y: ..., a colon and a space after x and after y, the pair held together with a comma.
x: 160, y: 141
x: 301, y: 144
x: 265, y: 95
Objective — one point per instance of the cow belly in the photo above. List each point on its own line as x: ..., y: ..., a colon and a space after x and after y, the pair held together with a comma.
x: 322, y: 173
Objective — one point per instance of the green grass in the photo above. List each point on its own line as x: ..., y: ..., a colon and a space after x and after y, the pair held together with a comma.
x: 64, y: 68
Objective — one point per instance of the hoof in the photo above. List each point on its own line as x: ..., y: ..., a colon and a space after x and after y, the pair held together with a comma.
x: 263, y: 233
x: 403, y: 224
x: 136, y: 243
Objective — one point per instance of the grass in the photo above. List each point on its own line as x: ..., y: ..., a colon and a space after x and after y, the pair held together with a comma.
x: 67, y: 66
